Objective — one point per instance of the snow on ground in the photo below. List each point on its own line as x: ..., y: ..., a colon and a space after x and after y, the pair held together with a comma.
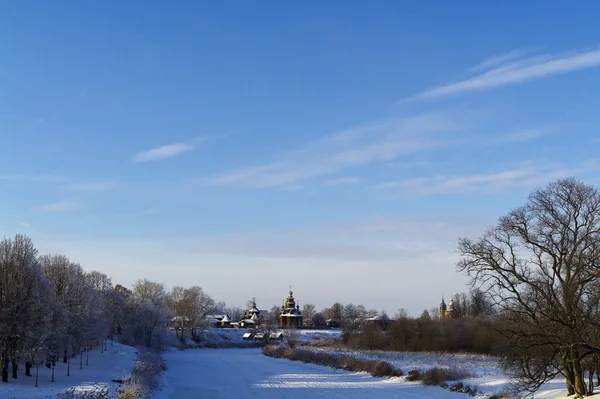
x: 480, y: 365
x: 247, y: 373
x: 315, y: 335
x: 114, y: 363
x: 228, y: 337
x: 224, y: 334
x: 487, y: 375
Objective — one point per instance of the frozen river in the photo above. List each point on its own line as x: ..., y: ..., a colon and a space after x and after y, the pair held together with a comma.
x: 246, y: 373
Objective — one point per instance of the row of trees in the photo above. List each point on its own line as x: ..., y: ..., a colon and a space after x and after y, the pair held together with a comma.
x: 51, y: 309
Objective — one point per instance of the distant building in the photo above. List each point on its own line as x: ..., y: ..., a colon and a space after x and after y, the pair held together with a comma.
x: 225, y: 322
x: 214, y: 319
x: 447, y: 312
x: 290, y: 316
x: 379, y: 321
x: 253, y: 318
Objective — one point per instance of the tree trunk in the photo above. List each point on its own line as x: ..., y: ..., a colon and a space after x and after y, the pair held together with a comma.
x: 590, y: 389
x: 579, y: 385
x: 37, y: 372
x: 81, y: 360
x: 28, y: 369
x: 87, y: 357
x: 53, y: 364
x: 69, y: 367
x: 569, y: 374
x: 5, y: 370
x: 15, y: 367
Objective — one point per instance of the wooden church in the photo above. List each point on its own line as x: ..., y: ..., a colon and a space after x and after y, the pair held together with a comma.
x: 290, y: 316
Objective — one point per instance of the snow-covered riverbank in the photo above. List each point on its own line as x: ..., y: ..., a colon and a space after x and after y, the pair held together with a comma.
x: 116, y: 362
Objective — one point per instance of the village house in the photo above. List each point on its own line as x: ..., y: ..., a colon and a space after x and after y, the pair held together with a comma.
x: 254, y: 317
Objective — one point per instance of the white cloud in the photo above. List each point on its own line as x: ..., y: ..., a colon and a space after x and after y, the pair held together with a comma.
x: 378, y: 142
x: 162, y: 152
x: 61, y: 206
x: 520, y: 71
x: 499, y: 59
x: 528, y: 175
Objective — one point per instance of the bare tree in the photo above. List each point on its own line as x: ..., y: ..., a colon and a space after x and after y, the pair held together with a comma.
x: 84, y: 308
x: 147, y: 313
x: 21, y: 306
x: 308, y: 310
x: 540, y: 266
x: 401, y: 314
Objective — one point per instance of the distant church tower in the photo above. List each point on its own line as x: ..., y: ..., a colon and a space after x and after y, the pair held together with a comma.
x: 447, y: 312
x: 443, y: 309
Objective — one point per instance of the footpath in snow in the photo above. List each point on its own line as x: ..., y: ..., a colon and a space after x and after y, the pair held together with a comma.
x: 116, y: 362
x: 247, y: 373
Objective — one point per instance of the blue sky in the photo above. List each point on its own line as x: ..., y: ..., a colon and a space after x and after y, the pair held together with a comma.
x: 244, y: 147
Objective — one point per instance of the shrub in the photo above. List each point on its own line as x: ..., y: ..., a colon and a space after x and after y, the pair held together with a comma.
x: 457, y: 387
x: 145, y: 376
x: 384, y: 369
x: 470, y: 390
x: 414, y: 375
x: 459, y: 373
x: 435, y: 376
x: 134, y: 388
x: 375, y: 367
x: 95, y: 393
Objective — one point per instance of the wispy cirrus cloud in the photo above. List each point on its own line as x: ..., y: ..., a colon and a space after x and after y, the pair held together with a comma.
x: 61, y: 206
x: 499, y: 59
x: 511, y: 69
x: 526, y: 175
x: 378, y: 142
x: 162, y: 152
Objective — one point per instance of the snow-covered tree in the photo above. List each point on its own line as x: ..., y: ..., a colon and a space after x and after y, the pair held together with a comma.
x: 20, y: 301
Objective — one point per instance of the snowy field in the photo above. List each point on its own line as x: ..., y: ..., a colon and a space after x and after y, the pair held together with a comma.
x: 486, y: 373
x: 114, y: 363
x: 235, y: 335
x: 247, y: 373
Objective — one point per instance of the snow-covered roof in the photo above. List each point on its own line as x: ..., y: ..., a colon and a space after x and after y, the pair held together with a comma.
x: 291, y: 315
x: 214, y: 316
x: 226, y: 318
x: 254, y: 317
